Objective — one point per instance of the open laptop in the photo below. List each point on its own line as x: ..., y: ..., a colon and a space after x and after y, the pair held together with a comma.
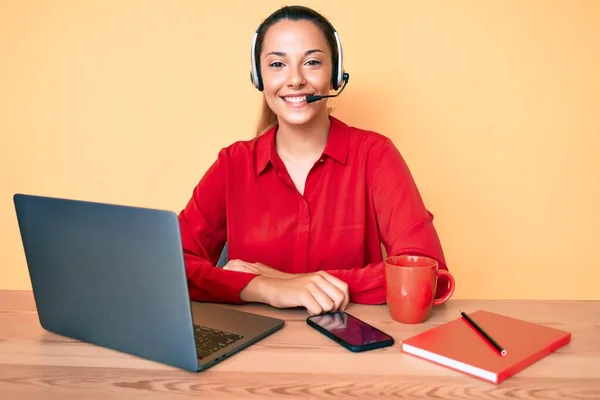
x: 114, y: 276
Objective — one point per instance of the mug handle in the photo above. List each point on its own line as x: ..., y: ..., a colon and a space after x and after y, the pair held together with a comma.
x: 443, y: 299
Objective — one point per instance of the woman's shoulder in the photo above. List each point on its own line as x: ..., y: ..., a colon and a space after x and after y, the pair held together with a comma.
x: 241, y: 147
x: 245, y: 155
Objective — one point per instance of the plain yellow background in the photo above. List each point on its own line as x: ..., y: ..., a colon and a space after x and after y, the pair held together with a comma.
x: 494, y: 104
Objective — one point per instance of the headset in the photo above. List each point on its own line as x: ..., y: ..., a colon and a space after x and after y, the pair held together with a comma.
x: 339, y: 76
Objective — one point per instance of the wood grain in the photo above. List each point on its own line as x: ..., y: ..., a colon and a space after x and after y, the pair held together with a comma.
x: 296, y: 362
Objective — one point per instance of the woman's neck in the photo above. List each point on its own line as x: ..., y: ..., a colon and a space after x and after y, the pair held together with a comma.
x: 302, y: 144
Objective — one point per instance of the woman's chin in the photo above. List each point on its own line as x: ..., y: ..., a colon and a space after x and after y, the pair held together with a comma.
x: 296, y: 118
x: 299, y: 117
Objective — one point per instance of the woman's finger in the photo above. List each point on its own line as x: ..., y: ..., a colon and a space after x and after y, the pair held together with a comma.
x: 321, y: 296
x: 340, y: 284
x: 308, y: 301
x: 332, y: 291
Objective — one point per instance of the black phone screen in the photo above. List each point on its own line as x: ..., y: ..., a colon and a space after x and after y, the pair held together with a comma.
x: 350, y: 329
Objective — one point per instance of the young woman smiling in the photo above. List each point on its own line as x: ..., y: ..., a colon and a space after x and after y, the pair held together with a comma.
x: 305, y: 205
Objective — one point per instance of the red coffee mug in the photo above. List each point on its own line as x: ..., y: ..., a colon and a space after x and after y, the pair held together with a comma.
x: 411, y: 286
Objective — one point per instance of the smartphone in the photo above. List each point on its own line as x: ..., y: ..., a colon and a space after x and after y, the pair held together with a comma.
x: 349, y: 331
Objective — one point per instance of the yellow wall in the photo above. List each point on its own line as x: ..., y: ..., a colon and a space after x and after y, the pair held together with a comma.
x: 494, y: 104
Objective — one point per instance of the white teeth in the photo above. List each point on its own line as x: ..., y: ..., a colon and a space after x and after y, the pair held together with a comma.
x: 295, y: 99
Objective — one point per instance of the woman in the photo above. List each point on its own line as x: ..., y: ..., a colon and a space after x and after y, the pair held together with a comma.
x: 304, y: 206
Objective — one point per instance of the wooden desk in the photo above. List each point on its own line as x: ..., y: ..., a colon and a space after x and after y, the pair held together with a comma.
x: 295, y: 363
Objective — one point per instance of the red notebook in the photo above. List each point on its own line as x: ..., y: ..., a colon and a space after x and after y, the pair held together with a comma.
x: 459, y: 346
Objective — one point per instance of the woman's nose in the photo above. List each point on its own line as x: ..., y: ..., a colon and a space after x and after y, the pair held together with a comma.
x: 296, y: 78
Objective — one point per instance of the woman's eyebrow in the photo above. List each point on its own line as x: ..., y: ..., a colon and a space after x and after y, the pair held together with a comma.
x: 282, y: 54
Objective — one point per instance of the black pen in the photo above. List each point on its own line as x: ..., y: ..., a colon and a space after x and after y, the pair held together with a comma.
x: 483, y: 333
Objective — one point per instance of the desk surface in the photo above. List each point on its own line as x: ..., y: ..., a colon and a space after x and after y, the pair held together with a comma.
x: 296, y: 362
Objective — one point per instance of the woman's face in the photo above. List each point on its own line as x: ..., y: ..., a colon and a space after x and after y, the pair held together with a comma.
x: 295, y: 62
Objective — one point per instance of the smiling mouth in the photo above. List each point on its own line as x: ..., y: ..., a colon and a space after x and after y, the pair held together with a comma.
x: 294, y: 99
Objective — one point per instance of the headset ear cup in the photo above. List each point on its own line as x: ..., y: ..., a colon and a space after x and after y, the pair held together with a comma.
x: 334, y: 82
x: 255, y: 73
x: 338, y: 69
x: 260, y: 82
x: 256, y: 79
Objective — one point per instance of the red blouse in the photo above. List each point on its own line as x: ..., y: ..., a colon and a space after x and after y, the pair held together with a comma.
x: 358, y: 195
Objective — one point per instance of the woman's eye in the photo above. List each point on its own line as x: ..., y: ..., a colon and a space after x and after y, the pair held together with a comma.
x: 314, y: 62
x: 276, y: 64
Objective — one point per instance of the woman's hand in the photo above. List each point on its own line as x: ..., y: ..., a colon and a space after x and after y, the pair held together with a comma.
x: 256, y: 268
x: 318, y: 292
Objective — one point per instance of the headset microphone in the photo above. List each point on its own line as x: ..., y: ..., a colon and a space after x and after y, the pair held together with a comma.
x: 310, y: 99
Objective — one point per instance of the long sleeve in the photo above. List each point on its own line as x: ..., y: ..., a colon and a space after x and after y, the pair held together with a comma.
x: 203, y: 233
x: 405, y: 226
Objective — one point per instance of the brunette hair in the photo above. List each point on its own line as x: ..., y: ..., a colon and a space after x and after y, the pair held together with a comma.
x: 267, y: 117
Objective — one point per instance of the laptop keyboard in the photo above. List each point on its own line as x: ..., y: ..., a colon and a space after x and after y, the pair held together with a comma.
x: 209, y: 340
